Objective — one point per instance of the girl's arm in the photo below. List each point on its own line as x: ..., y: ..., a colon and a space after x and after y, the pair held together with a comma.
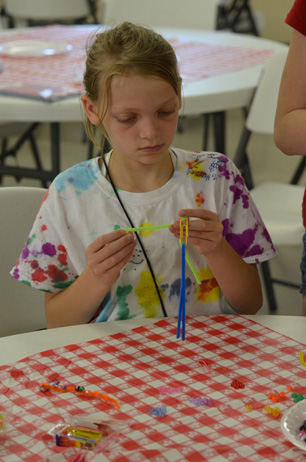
x: 239, y: 281
x: 77, y: 304
x: 290, y: 119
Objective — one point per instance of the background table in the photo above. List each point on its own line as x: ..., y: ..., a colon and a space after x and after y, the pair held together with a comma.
x: 230, y: 87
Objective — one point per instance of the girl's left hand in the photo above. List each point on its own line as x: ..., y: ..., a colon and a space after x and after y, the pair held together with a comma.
x: 205, y: 232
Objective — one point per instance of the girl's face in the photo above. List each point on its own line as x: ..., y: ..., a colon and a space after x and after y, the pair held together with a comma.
x: 141, y: 119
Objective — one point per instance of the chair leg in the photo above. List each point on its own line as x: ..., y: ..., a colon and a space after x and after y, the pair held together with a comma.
x: 180, y: 127
x: 299, y: 171
x: 247, y: 173
x: 106, y: 146
x: 2, y: 157
x: 222, y: 18
x: 37, y: 158
x: 90, y: 150
x: 241, y: 159
x: 265, y: 269
x: 219, y: 119
x: 206, y: 131
x: 27, y: 136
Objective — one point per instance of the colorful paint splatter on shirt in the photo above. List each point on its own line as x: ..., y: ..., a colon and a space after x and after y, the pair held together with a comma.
x: 81, y: 206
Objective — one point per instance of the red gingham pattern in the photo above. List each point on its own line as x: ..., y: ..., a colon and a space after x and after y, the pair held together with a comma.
x: 132, y: 366
x: 62, y: 73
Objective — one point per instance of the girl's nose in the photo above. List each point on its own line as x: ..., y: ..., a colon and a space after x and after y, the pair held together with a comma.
x: 149, y: 129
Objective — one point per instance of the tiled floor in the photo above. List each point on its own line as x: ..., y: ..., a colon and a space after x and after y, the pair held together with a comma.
x: 267, y: 164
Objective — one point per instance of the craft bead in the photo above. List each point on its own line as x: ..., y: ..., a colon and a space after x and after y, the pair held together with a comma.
x: 237, y: 384
x: 274, y: 411
x: 297, y: 397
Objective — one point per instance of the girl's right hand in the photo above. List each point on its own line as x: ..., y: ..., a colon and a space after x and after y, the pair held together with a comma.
x: 109, y: 253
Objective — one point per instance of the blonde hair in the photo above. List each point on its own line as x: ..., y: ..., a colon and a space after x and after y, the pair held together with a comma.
x: 126, y: 49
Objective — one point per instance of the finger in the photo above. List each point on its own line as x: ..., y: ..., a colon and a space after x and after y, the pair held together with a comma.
x: 202, y: 214
x: 195, y: 225
x: 105, y: 239
x: 116, y: 245
x: 198, y: 236
x: 113, y: 273
x: 96, y: 254
x: 116, y: 260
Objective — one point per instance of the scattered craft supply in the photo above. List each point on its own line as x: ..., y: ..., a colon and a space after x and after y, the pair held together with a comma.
x: 82, y: 434
x: 274, y: 397
x: 201, y: 401
x: 302, y: 432
x: 55, y: 386
x: 301, y: 356
x: 274, y: 411
x: 297, y: 397
x: 158, y: 411
x: 237, y: 384
x: 203, y: 365
x: 2, y: 423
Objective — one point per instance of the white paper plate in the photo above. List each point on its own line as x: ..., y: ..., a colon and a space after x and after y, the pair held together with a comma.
x: 33, y: 48
x: 291, y: 421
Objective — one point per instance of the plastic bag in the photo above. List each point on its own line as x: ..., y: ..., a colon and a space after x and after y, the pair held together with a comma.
x: 85, y: 434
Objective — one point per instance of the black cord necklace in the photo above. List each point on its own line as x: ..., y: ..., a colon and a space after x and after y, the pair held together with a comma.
x: 137, y: 236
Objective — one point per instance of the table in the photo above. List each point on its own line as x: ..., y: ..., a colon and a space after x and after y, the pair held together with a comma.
x: 16, y: 347
x: 206, y: 416
x: 229, y: 88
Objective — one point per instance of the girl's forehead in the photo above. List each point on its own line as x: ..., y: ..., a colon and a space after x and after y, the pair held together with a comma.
x: 129, y: 88
x: 136, y: 79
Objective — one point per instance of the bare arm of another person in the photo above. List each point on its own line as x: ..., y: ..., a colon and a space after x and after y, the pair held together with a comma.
x: 77, y: 304
x: 238, y: 280
x: 290, y: 119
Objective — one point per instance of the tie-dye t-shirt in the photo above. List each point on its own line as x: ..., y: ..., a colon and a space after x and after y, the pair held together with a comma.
x: 80, y: 206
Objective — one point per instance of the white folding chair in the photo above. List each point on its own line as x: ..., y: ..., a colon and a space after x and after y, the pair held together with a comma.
x: 280, y: 204
x: 76, y: 11
x: 21, y: 307
x: 239, y: 16
x: 193, y: 14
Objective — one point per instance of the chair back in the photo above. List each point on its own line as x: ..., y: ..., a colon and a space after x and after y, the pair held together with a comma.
x: 262, y: 111
x: 192, y: 14
x: 47, y: 10
x: 21, y: 307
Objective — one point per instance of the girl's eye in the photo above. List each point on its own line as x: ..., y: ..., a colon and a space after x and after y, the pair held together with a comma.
x: 165, y: 113
x: 128, y: 120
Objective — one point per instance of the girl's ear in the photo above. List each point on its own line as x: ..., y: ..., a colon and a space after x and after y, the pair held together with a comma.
x: 90, y: 109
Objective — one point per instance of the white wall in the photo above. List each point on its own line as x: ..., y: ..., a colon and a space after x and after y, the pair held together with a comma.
x: 274, y: 12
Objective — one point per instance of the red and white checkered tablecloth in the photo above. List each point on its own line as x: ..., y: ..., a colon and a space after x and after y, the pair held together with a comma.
x: 132, y: 366
x: 59, y: 76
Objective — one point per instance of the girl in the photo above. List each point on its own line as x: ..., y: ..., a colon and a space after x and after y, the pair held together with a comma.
x: 78, y: 251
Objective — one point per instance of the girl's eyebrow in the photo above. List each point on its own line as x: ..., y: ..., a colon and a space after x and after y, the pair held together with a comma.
x: 133, y: 109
